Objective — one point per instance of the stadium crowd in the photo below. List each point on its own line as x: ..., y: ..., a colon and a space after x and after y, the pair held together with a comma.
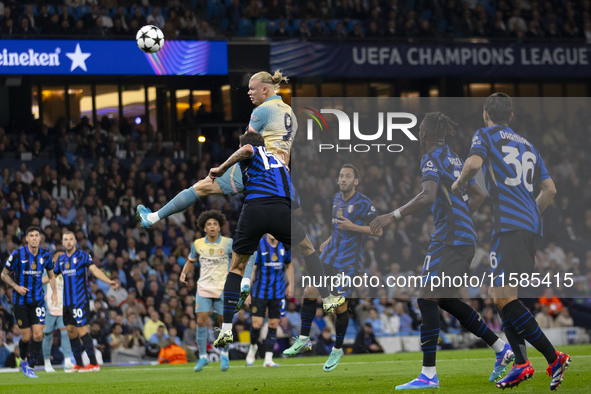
x: 90, y: 178
x: 305, y: 19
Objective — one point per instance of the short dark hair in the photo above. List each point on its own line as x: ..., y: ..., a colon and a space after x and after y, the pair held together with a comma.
x: 499, y: 107
x: 252, y: 138
x: 352, y: 167
x: 31, y: 229
x: 211, y: 214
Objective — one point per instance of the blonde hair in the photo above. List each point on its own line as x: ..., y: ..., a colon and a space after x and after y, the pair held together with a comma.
x: 275, y: 79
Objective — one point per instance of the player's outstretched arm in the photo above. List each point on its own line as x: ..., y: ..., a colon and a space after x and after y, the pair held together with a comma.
x: 244, y: 153
x: 424, y: 199
x: 470, y: 169
x: 99, y: 274
x: 475, y: 197
x: 8, y: 280
x: 547, y: 193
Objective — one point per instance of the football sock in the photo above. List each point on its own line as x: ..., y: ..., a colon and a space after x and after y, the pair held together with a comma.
x: 179, y: 203
x: 47, y: 339
x: 231, y: 295
x: 65, y: 342
x: 34, y: 353
x: 429, y: 372
x: 24, y: 349
x: 308, y: 313
x: 77, y: 349
x: 226, y: 351
x: 89, y: 347
x: 527, y: 327
x: 341, y: 323
x: 254, y: 335
x: 315, y: 268
x: 515, y: 340
x: 429, y: 331
x: 268, y: 357
x: 498, y: 346
x: 270, y: 340
x: 469, y: 318
x: 202, y: 340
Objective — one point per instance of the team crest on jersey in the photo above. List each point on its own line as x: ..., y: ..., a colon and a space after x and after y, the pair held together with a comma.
x: 67, y: 266
x: 211, y: 252
x: 33, y: 266
x: 220, y: 251
x: 350, y: 208
x: 254, y: 310
x: 340, y: 213
x: 274, y: 257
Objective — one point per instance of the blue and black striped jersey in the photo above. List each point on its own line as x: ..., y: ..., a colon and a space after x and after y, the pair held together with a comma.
x: 28, y: 272
x: 453, y: 224
x: 270, y: 281
x: 345, y: 249
x: 73, y: 269
x: 265, y: 176
x: 512, y: 168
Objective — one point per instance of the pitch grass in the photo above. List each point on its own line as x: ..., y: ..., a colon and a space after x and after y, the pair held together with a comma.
x: 463, y: 371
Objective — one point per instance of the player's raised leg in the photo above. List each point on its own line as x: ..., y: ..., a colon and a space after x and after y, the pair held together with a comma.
x: 230, y: 184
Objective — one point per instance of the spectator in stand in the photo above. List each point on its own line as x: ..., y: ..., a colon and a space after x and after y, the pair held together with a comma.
x: 325, y: 343
x: 405, y: 319
x: 107, y: 20
x: 151, y: 326
x: 156, y: 18
x: 564, y: 319
x: 365, y: 342
x: 544, y: 318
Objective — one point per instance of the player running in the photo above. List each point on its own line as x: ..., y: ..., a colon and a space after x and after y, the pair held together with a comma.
x: 27, y: 264
x: 211, y: 256
x: 267, y: 209
x: 513, y: 168
x: 451, y: 249
x: 73, y: 265
x: 341, y: 254
x: 271, y: 284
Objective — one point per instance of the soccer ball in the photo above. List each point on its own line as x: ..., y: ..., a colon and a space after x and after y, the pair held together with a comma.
x: 149, y: 39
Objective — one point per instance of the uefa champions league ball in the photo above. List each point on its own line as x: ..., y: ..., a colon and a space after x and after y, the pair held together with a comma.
x: 149, y: 39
